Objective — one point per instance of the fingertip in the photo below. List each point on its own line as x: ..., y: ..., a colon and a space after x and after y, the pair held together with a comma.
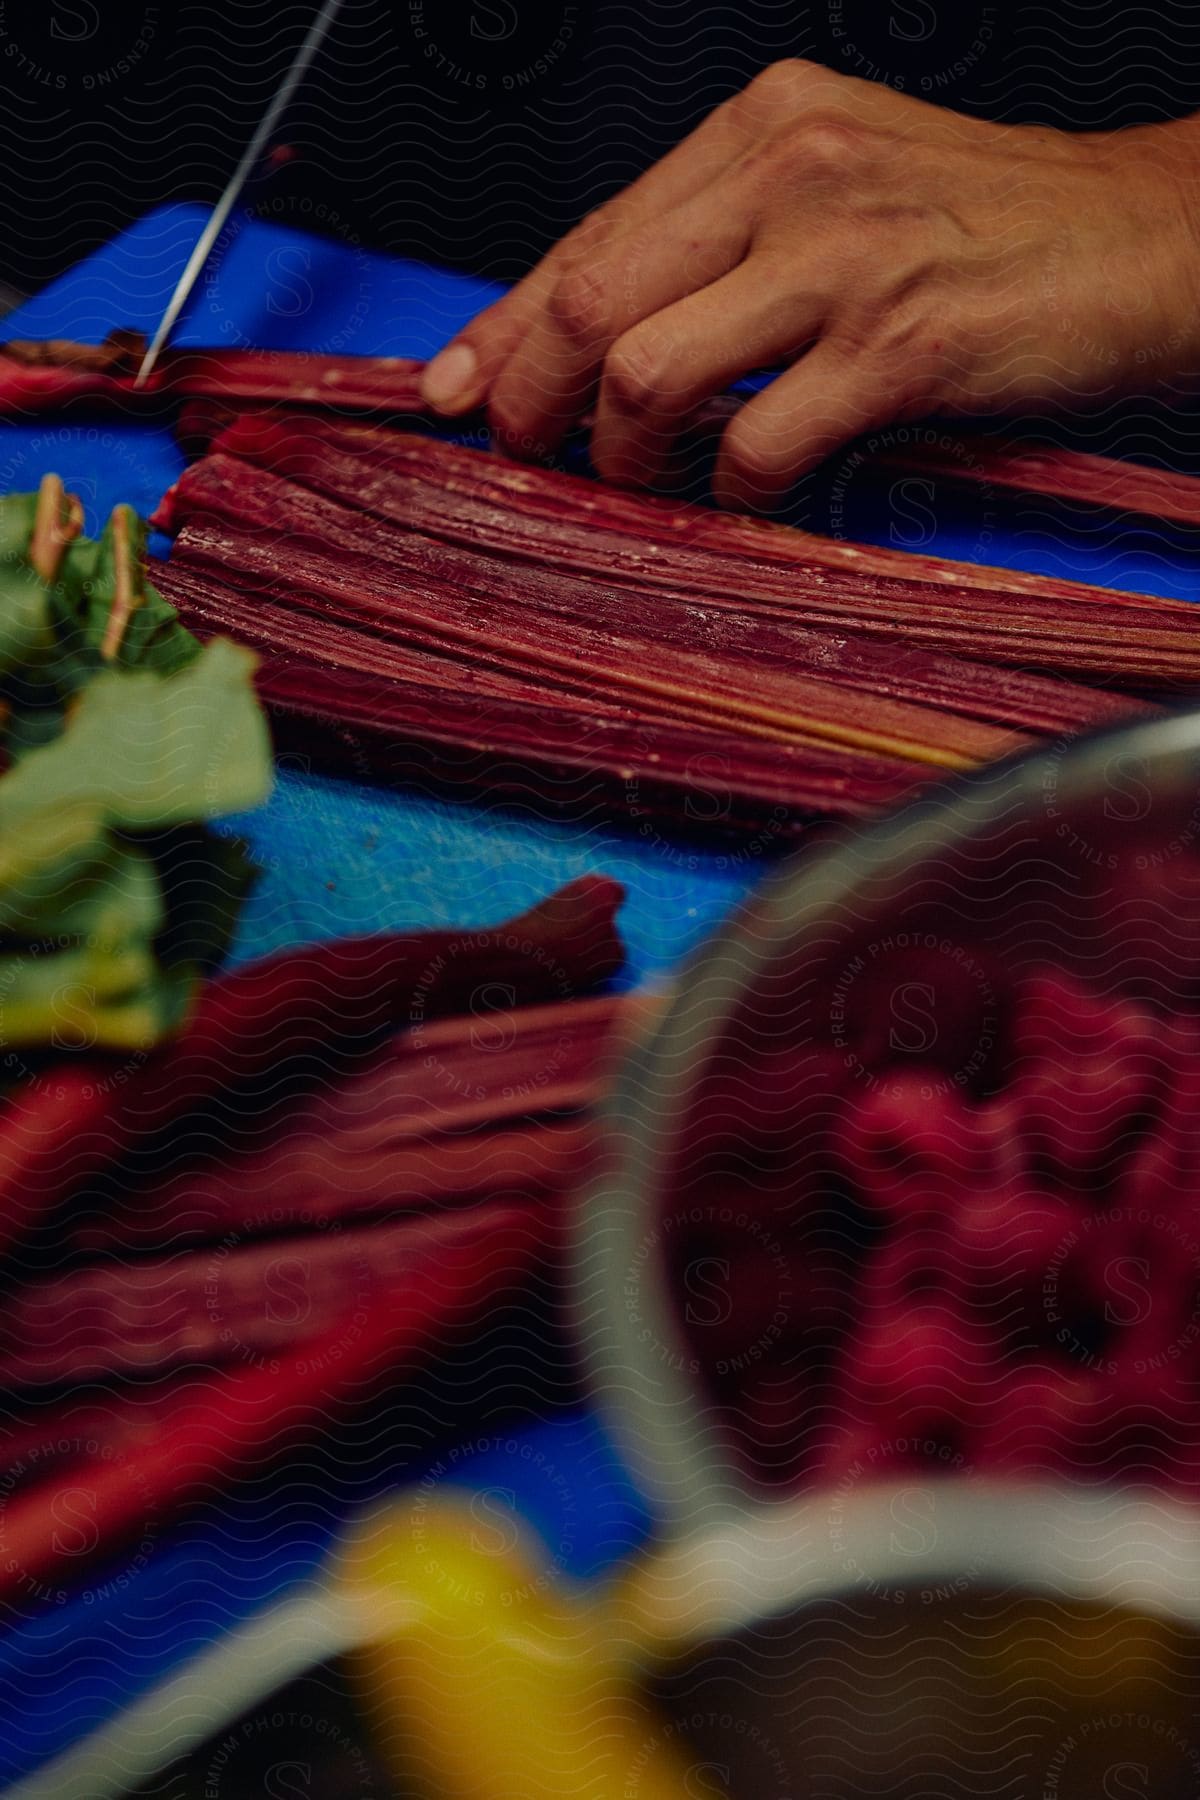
x: 726, y: 492
x: 521, y: 430
x: 735, y: 490
x: 451, y: 382
x: 760, y: 472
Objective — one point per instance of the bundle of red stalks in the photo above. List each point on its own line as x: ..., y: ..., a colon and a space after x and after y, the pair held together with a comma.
x: 444, y: 615
x: 937, y: 1203
x: 352, y: 1155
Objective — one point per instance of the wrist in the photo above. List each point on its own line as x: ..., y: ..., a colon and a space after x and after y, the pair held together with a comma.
x: 1155, y: 171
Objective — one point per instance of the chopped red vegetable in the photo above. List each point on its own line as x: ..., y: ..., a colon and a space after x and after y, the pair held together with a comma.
x: 234, y: 1301
x: 45, y: 1128
x: 366, y: 1145
x: 485, y: 1107
x: 439, y: 1114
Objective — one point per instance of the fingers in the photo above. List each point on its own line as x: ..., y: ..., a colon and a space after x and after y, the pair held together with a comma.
x: 659, y: 300
x: 658, y: 372
x: 548, y: 380
x: 831, y: 395
x: 462, y: 375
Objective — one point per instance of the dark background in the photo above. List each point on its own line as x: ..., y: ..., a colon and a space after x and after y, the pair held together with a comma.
x: 473, y: 132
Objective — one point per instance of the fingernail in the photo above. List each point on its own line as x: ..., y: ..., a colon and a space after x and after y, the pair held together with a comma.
x: 449, y: 376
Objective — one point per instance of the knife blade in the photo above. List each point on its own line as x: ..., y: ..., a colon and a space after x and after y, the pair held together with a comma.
x: 237, y: 181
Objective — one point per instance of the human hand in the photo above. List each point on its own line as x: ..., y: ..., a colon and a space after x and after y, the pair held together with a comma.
x: 900, y: 259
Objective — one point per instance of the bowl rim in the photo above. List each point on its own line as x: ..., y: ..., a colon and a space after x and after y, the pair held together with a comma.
x: 1071, y: 1541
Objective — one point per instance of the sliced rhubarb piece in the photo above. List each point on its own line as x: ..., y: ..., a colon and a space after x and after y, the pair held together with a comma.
x: 1087, y: 1076
x: 909, y: 1150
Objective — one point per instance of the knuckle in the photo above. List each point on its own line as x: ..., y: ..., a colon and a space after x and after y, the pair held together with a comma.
x: 637, y: 374
x: 779, y: 88
x: 829, y: 154
x: 859, y: 333
x: 578, y: 301
x: 825, y: 145
x: 582, y: 243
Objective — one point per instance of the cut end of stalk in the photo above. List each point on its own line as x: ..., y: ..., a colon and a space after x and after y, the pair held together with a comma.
x: 121, y: 350
x: 128, y: 592
x: 57, y: 521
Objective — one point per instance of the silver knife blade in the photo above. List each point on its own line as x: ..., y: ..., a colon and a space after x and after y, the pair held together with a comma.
x: 254, y: 149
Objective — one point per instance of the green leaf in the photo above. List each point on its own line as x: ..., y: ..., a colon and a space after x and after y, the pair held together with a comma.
x: 85, y: 999
x: 156, y: 639
x: 149, y: 750
x: 55, y: 642
x: 62, y: 998
x: 24, y: 614
x: 17, y: 515
x: 64, y: 876
x: 114, y: 895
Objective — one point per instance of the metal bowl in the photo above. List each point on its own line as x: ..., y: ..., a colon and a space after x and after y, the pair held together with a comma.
x: 961, y: 1634
x: 1080, y: 853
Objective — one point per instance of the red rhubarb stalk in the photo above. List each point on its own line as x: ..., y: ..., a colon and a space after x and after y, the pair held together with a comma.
x: 305, y: 1178
x: 45, y: 377
x: 302, y: 1016
x: 1119, y: 486
x: 299, y: 449
x: 355, y: 1145
x: 239, y: 1419
x: 52, y: 1131
x: 220, y: 1303
x: 335, y: 1001
x: 545, y: 748
x: 415, y: 556
x: 709, y: 690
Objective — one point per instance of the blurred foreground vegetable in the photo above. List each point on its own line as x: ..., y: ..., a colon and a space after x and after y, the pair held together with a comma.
x: 343, y: 1114
x: 123, y: 738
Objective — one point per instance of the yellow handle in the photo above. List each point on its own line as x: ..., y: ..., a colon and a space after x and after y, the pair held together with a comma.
x: 487, y: 1678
